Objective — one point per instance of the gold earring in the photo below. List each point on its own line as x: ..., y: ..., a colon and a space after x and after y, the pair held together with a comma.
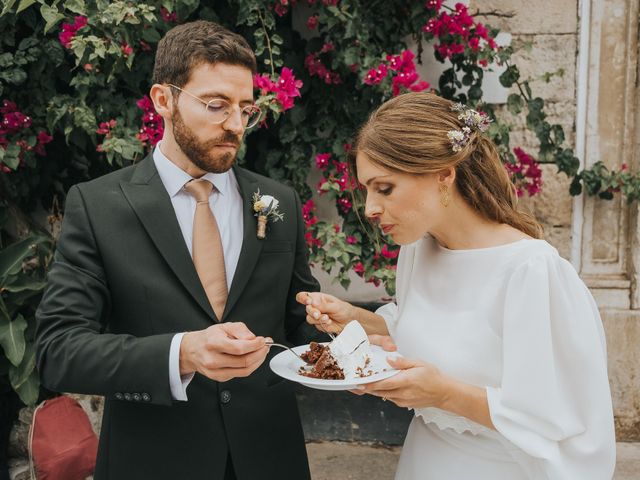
x: 445, y: 198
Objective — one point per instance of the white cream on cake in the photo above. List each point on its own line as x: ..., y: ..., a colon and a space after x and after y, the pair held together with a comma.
x: 351, y: 349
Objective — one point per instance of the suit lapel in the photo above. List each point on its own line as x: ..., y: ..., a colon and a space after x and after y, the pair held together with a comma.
x: 149, y: 199
x: 251, y: 245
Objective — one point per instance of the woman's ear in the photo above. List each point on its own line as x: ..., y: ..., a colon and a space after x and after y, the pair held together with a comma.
x: 162, y: 100
x: 447, y: 176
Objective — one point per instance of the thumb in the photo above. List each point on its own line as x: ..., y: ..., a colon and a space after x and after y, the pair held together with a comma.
x: 401, y: 363
x: 384, y: 341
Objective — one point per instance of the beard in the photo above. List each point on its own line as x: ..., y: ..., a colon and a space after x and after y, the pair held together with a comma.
x: 201, y: 153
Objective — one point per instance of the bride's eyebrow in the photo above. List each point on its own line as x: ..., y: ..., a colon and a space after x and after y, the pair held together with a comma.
x: 374, y: 178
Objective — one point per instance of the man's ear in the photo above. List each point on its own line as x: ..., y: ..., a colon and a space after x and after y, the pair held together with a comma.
x: 447, y: 176
x: 162, y: 99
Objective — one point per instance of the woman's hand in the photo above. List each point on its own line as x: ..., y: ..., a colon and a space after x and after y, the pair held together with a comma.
x: 418, y: 385
x: 326, y: 312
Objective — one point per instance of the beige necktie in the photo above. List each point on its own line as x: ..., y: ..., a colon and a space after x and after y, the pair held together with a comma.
x: 208, y: 256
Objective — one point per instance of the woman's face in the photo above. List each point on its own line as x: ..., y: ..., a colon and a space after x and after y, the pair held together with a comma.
x: 404, y: 206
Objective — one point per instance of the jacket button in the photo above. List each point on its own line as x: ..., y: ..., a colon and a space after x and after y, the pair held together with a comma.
x: 127, y: 397
x: 137, y: 397
x: 119, y: 396
x: 146, y: 397
x: 225, y: 396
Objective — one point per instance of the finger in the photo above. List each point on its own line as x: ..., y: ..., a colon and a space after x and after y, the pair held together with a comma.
x: 386, y: 385
x: 401, y: 363
x: 238, y: 330
x: 384, y: 341
x: 234, y: 346
x: 220, y: 361
x: 357, y: 392
x: 313, y: 312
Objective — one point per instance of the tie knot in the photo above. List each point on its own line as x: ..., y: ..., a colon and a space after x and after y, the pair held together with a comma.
x: 200, y: 189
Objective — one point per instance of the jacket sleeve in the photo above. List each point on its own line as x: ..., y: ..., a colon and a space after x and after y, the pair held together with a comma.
x: 75, y: 351
x: 297, y: 329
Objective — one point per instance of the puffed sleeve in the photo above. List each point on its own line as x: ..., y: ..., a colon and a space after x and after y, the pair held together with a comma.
x: 554, y: 401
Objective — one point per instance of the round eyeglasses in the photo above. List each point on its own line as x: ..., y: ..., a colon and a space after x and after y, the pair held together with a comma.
x: 219, y: 110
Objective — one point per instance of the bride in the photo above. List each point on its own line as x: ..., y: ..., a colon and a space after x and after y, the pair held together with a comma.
x: 504, y: 356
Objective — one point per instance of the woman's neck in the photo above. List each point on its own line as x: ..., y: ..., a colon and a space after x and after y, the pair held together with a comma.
x: 463, y: 228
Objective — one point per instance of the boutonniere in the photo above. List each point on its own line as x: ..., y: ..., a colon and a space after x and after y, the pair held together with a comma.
x: 265, y: 208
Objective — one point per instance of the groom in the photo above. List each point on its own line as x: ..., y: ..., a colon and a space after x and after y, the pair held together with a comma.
x: 161, y: 295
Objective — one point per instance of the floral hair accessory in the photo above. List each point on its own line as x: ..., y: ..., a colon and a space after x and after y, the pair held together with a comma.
x: 472, y: 119
x: 265, y: 207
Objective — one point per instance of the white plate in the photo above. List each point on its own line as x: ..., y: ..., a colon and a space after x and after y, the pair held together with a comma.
x: 286, y: 364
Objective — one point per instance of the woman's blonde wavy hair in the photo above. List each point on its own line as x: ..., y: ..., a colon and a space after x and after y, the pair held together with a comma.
x: 408, y: 134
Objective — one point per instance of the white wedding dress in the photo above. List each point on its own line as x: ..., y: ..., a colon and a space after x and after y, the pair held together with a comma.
x: 516, y: 320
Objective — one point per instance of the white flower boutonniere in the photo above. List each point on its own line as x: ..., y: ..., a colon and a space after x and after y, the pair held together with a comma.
x: 265, y: 208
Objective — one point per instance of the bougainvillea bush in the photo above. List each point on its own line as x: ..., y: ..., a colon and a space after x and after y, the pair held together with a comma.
x: 74, y: 77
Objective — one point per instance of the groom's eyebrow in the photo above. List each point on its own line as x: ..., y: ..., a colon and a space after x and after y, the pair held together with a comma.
x: 213, y: 94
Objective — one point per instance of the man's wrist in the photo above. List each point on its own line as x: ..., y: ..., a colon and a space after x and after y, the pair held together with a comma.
x: 186, y: 365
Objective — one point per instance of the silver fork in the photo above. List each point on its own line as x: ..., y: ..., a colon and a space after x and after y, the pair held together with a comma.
x: 273, y: 344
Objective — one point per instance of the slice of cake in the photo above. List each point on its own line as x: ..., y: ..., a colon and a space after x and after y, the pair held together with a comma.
x: 345, y: 357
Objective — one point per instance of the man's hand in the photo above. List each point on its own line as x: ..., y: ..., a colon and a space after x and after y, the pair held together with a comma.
x: 222, y: 352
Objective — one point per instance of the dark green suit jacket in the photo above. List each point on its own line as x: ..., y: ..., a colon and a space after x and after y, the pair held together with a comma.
x: 123, y: 283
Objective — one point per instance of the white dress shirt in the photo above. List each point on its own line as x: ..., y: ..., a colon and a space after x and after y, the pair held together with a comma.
x: 226, y: 204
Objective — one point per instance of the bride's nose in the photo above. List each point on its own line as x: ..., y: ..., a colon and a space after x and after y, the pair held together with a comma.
x: 372, y: 209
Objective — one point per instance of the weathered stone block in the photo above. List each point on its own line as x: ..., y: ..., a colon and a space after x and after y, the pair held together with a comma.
x: 547, y: 16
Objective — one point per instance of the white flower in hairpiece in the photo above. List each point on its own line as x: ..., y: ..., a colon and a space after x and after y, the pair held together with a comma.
x: 471, y: 119
x: 459, y: 138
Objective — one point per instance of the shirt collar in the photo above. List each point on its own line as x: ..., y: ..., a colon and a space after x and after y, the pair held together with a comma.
x: 174, y: 178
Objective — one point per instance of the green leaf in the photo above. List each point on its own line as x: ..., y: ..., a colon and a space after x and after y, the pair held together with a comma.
x: 21, y: 283
x: 51, y: 15
x: 515, y: 103
x: 76, y: 6
x: 11, y: 258
x: 8, y: 5
x: 509, y: 76
x: 12, y: 339
x: 29, y: 390
x: 150, y: 35
x: 24, y: 377
x: 24, y: 4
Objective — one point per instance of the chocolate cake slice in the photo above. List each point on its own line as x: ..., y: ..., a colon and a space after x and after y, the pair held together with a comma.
x: 346, y: 356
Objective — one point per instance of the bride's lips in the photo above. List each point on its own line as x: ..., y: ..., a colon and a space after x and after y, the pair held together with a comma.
x: 386, y: 228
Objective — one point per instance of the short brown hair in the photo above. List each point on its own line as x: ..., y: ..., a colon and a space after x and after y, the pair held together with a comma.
x: 408, y: 134
x: 191, y: 44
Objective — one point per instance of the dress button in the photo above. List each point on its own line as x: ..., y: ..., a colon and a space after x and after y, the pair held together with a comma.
x: 225, y: 396
x: 119, y: 396
x: 137, y: 397
x: 127, y: 397
x: 146, y: 397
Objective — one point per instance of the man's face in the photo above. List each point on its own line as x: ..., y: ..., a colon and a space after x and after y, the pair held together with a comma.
x: 212, y: 147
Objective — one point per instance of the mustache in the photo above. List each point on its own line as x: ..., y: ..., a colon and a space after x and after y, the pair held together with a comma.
x: 225, y: 138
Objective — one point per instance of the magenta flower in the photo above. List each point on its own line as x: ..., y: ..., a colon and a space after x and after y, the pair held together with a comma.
x: 69, y: 30
x: 312, y: 22
x: 389, y: 254
x: 126, y: 49
x: 345, y: 204
x: 168, y: 17
x: 322, y: 160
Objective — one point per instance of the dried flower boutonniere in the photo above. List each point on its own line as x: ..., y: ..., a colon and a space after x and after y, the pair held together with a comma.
x: 265, y: 208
